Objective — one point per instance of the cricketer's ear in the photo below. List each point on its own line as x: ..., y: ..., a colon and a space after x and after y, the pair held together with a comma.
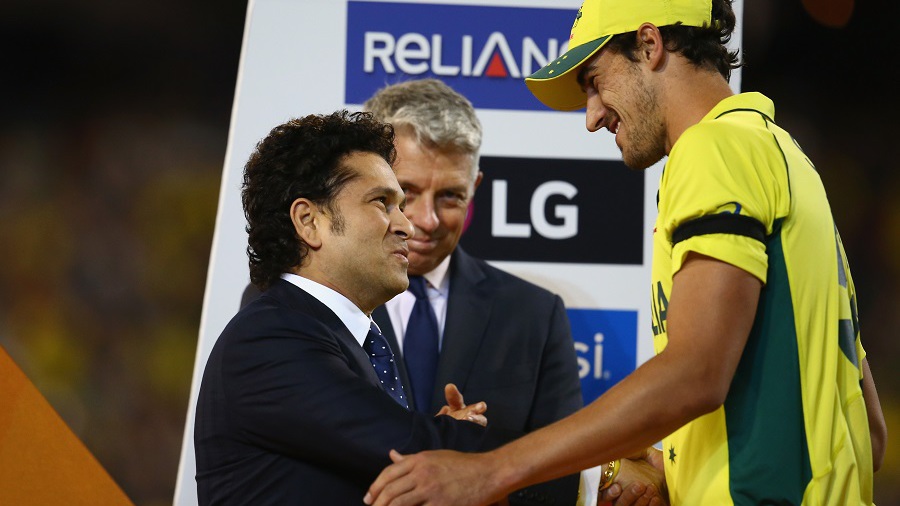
x: 651, y: 48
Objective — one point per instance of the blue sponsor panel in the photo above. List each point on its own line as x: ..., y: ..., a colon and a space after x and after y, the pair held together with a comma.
x: 482, y: 52
x: 606, y: 346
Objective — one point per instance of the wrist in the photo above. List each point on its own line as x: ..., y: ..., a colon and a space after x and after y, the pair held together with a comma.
x: 506, y: 474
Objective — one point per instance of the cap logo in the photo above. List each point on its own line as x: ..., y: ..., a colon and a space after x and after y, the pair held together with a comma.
x: 577, y: 17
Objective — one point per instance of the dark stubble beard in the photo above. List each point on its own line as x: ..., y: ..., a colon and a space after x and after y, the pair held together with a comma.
x: 338, y: 225
x: 648, y: 136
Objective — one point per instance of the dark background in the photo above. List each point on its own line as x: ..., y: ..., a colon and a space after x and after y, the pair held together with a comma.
x: 113, y: 128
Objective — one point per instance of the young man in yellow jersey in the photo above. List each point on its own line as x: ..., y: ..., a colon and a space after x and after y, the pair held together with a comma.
x: 760, y: 389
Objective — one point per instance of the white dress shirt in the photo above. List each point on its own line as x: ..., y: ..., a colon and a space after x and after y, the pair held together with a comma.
x: 438, y: 288
x: 353, y: 318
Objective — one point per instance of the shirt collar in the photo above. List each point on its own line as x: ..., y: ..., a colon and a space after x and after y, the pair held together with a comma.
x: 438, y: 278
x: 351, y: 316
x: 750, y: 100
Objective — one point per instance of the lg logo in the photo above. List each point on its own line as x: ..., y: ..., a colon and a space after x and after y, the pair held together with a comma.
x: 566, y: 214
x: 555, y: 210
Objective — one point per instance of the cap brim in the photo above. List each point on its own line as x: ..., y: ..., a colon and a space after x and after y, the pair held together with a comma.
x: 556, y: 84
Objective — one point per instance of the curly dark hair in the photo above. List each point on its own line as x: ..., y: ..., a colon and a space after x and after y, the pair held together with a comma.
x: 302, y: 158
x: 702, y: 46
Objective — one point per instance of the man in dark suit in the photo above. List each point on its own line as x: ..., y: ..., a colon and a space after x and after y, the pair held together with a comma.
x: 499, y: 338
x: 300, y: 401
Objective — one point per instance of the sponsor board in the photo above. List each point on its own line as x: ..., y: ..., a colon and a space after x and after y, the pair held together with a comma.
x: 606, y: 347
x: 482, y: 52
x: 555, y: 210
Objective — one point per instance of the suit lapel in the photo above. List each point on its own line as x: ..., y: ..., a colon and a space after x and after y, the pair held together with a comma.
x: 299, y: 300
x: 383, y: 319
x: 468, y: 312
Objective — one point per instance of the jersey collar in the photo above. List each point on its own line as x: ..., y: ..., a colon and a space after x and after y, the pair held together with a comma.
x: 753, y: 101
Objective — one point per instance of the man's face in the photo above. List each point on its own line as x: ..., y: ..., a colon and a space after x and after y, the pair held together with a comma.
x: 620, y: 99
x: 365, y: 257
x: 438, y: 185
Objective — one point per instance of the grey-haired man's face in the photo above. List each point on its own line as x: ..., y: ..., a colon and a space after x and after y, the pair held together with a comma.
x: 439, y: 186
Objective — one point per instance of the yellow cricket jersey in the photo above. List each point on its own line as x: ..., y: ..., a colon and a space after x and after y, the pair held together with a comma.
x: 793, y: 429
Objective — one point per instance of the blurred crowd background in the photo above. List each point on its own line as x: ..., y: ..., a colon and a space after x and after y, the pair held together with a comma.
x: 112, y: 138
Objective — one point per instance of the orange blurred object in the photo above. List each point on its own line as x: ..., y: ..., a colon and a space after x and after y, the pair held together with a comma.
x: 41, y: 461
x: 831, y: 13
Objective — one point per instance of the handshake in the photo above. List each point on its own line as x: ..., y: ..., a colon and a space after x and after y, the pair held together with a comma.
x: 446, y: 477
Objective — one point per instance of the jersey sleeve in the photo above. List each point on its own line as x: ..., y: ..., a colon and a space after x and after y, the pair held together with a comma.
x: 720, y: 200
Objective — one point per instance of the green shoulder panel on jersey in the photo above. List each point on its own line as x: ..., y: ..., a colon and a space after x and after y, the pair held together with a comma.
x: 848, y: 329
x: 768, y: 453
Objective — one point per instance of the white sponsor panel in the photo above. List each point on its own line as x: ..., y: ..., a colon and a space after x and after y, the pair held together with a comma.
x: 294, y: 62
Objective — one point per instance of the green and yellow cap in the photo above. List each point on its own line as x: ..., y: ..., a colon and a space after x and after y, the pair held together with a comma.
x: 556, y: 84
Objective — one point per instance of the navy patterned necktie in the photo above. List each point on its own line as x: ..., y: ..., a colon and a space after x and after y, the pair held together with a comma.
x: 420, y: 345
x: 382, y: 359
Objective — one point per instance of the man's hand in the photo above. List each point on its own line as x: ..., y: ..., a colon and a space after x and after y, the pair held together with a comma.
x: 457, y: 408
x: 435, y: 478
x: 641, y: 481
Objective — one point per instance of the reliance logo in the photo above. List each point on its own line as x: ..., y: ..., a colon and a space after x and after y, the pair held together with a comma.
x: 482, y: 52
x: 414, y: 54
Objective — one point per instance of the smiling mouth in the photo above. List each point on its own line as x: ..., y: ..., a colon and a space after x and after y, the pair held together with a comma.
x: 614, y: 126
x: 420, y: 244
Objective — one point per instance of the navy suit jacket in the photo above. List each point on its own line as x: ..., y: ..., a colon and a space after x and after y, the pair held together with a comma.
x: 291, y: 412
x: 506, y: 342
